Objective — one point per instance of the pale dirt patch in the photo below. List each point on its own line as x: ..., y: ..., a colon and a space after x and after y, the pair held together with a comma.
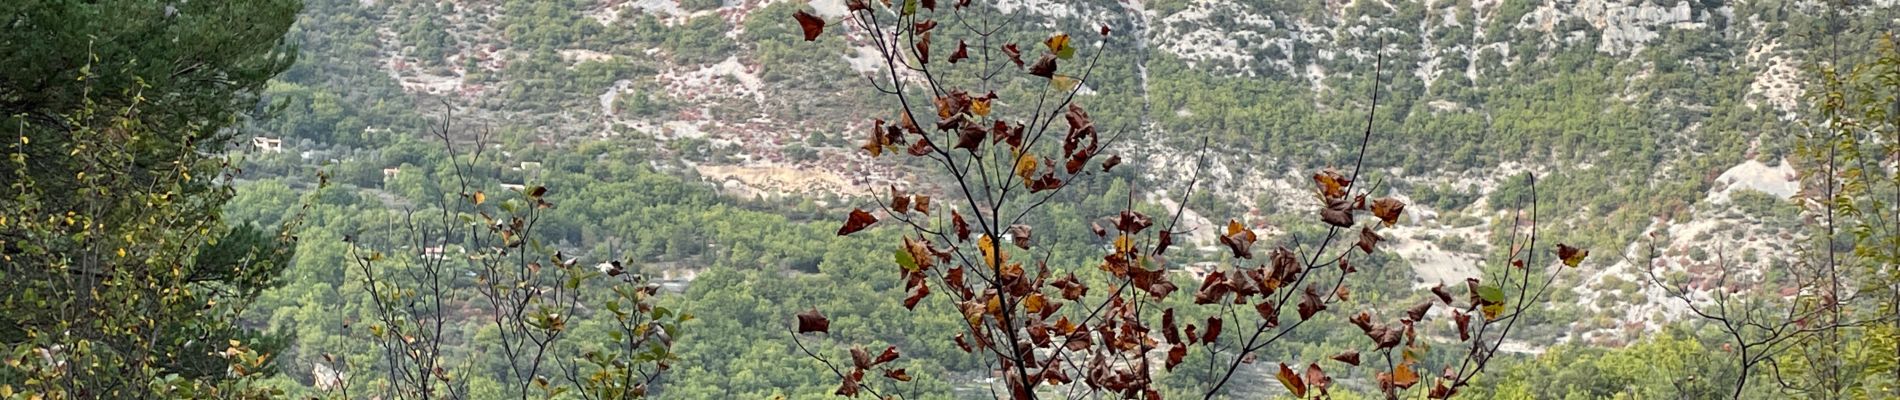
x: 1781, y: 180
x: 828, y: 8
x: 725, y: 79
x: 1202, y: 233
x: 1434, y: 264
x: 1779, y: 84
x: 772, y: 180
x: 610, y: 12
x: 577, y: 56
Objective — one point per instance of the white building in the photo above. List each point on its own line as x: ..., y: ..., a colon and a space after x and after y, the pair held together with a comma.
x: 268, y: 144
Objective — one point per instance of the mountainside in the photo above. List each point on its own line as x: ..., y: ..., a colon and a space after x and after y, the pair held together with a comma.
x: 731, y: 117
x: 1663, y: 123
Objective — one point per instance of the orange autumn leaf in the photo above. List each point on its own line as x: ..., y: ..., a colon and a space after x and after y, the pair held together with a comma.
x: 1045, y: 67
x: 1019, y: 235
x: 963, y: 51
x: 1015, y: 54
x: 1368, y: 239
x: 1331, y: 183
x: 1350, y: 357
x: 1404, y: 377
x: 1291, y: 381
x: 900, y: 201
x: 1388, y: 210
x: 963, y: 228
x: 1239, y: 239
x: 1317, y: 378
x: 858, y: 220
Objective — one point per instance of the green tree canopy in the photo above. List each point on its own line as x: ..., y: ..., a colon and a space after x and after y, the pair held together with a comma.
x: 118, y: 276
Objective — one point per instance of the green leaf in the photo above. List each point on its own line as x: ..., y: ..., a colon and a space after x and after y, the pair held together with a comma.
x: 905, y: 260
x: 1491, y: 294
x: 910, y: 7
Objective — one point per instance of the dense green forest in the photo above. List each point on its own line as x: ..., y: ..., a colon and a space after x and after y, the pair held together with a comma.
x: 488, y: 199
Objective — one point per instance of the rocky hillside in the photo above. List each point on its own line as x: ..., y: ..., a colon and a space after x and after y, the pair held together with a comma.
x: 1646, y: 121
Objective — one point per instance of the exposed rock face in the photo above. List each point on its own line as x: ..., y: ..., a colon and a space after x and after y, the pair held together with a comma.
x: 1779, y: 180
x: 1625, y: 26
x: 1187, y: 35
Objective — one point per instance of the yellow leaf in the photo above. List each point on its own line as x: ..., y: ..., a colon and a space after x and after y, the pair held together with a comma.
x: 479, y: 197
x: 988, y: 246
x: 1491, y: 311
x: 972, y: 312
x: 1059, y: 45
x: 1572, y: 256
x: 980, y: 107
x: 1026, y: 167
x: 1058, y: 42
x: 1064, y: 82
x: 1332, y: 184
